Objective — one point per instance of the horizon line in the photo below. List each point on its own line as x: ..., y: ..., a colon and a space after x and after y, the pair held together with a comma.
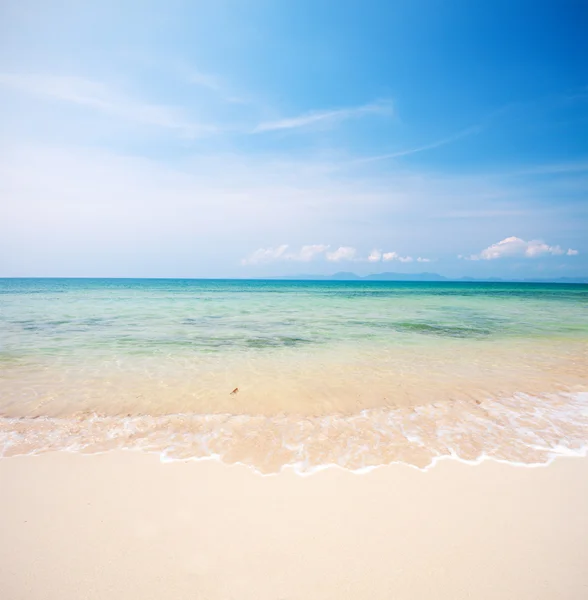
x: 581, y: 279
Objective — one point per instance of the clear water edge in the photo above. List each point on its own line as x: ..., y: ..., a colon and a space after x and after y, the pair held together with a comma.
x: 304, y: 354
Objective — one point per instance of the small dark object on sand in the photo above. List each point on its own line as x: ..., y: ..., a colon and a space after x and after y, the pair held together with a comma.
x: 234, y: 391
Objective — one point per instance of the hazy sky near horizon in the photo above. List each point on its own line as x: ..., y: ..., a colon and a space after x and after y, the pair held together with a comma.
x: 230, y: 138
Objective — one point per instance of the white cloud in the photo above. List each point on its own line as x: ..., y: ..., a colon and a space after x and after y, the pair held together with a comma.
x: 389, y: 256
x: 326, y: 116
x: 375, y: 256
x: 342, y: 253
x: 514, y: 246
x: 100, y: 97
x: 307, y: 253
x: 310, y: 252
x: 267, y: 255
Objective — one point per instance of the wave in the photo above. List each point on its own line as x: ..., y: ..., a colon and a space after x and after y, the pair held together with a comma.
x: 521, y: 429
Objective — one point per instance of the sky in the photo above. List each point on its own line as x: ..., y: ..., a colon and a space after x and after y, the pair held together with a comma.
x: 253, y: 138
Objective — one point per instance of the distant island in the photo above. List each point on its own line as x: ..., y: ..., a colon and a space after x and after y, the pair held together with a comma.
x: 348, y: 276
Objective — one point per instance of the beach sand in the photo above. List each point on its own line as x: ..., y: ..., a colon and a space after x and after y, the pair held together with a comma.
x: 123, y: 525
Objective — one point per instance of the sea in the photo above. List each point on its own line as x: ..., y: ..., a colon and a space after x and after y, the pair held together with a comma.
x: 295, y: 374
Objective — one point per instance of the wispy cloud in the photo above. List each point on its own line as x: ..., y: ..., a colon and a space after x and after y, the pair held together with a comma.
x: 214, y: 83
x: 483, y: 213
x: 437, y: 144
x: 325, y: 117
x: 100, y: 97
x: 205, y: 80
x: 555, y: 169
x: 517, y: 247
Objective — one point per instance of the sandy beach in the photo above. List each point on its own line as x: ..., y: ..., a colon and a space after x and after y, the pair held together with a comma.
x: 293, y: 300
x: 124, y: 525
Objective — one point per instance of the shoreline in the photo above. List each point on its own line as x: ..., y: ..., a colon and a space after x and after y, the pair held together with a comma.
x: 563, y: 453
x: 519, y: 430
x: 123, y: 524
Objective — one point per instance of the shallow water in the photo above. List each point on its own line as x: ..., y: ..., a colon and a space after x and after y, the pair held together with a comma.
x: 327, y: 372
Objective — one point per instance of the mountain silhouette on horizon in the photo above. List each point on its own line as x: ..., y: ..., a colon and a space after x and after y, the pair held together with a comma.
x: 391, y: 276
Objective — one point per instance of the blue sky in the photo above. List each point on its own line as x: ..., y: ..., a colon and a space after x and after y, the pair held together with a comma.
x: 251, y: 138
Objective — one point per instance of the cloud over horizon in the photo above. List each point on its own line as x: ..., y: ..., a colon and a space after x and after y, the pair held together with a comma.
x: 310, y: 252
x: 266, y: 255
x: 517, y: 247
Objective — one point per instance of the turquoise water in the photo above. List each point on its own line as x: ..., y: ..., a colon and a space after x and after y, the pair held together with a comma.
x: 106, y: 348
x: 105, y: 316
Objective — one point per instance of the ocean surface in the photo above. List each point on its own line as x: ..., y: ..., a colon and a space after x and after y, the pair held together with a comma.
x: 305, y: 374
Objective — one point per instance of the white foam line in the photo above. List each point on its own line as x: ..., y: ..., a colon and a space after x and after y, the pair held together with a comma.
x: 304, y: 471
x: 577, y: 405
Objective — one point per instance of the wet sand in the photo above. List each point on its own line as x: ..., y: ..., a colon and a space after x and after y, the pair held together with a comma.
x: 123, y: 525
